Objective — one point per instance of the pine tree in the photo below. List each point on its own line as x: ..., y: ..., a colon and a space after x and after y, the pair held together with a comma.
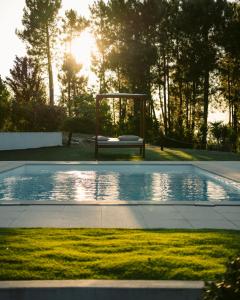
x: 26, y: 81
x: 40, y: 33
x: 4, y: 103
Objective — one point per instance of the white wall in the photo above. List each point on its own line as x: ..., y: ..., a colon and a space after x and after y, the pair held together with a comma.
x: 27, y: 140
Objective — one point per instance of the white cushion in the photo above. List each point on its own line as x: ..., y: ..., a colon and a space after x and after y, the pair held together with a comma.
x: 102, y: 138
x: 128, y: 138
x: 117, y: 142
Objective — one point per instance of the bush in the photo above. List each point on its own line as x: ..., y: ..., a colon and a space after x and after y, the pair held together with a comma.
x: 4, y: 104
x: 36, y: 117
x: 223, y: 135
x: 79, y: 125
x: 229, y: 287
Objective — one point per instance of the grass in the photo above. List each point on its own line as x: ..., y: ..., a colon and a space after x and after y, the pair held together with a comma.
x: 86, y: 152
x: 28, y: 254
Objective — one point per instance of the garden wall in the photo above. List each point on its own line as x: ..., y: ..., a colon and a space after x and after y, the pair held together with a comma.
x: 27, y: 140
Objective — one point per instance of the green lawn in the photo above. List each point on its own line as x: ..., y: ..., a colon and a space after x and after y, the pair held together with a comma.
x: 27, y: 254
x: 86, y: 152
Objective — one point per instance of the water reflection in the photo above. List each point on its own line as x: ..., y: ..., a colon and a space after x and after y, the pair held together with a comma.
x: 159, y: 189
x: 131, y: 185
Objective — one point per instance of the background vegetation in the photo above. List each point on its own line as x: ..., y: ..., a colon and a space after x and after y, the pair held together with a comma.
x: 184, y: 54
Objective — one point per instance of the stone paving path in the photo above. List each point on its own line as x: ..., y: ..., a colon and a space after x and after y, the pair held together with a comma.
x: 121, y: 216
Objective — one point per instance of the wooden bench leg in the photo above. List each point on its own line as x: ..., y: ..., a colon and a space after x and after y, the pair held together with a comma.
x: 96, y: 152
x: 143, y: 151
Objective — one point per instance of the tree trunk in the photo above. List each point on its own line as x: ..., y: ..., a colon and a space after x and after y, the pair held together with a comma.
x: 229, y: 99
x: 161, y: 103
x: 180, y: 114
x: 235, y: 122
x: 169, y: 104
x: 187, y: 107
x: 69, y: 98
x: 193, y: 110
x: 50, y: 72
x: 165, y: 94
x: 205, y: 110
x: 120, y: 100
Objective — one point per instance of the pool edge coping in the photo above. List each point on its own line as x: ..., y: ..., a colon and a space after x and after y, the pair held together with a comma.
x: 102, y: 289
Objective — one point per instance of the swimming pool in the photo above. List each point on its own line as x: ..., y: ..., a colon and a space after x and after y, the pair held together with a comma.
x: 127, y: 182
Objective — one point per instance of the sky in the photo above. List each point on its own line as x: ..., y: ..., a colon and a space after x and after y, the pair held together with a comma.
x: 11, y: 12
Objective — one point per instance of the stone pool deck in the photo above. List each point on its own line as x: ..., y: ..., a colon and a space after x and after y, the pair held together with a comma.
x: 187, y: 215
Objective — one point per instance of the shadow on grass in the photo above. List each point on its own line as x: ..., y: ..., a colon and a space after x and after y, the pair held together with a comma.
x: 85, y: 152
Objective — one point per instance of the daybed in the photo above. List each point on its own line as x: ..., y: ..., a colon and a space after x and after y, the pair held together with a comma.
x: 127, y: 141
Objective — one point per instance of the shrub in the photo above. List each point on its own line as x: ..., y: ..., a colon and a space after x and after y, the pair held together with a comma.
x: 80, y: 125
x: 36, y: 117
x: 4, y: 104
x: 223, y: 134
x: 229, y: 287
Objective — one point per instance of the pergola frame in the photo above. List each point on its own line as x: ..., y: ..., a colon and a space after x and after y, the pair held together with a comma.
x: 142, y: 98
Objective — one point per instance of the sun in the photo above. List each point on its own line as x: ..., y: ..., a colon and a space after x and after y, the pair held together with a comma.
x: 83, y: 47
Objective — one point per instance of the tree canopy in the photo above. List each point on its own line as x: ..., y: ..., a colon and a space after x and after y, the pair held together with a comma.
x: 40, y: 31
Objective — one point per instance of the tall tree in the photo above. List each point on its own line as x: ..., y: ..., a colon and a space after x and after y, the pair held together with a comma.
x: 4, y: 103
x: 100, y: 26
x: 26, y: 81
x: 72, y: 82
x: 40, y: 32
x: 230, y: 68
x: 72, y: 27
x: 171, y: 50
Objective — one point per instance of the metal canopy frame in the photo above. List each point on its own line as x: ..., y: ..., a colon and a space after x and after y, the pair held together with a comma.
x: 142, y: 98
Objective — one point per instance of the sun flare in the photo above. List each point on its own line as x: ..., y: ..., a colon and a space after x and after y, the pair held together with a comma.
x: 83, y: 47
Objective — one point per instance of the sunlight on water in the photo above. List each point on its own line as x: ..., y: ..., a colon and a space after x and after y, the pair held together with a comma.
x: 137, y: 183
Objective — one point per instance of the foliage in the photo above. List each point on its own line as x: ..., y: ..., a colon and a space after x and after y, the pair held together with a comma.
x: 26, y: 81
x: 72, y: 26
x: 35, y: 117
x: 72, y: 83
x: 79, y: 124
x: 84, y: 115
x: 84, y: 111
x: 39, y: 32
x: 183, y: 54
x: 229, y: 287
x: 171, y: 50
x: 223, y: 134
x: 4, y: 104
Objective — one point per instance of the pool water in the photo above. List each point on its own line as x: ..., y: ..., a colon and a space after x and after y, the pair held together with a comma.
x: 69, y: 182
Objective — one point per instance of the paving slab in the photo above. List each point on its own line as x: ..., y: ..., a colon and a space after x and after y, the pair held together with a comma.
x: 169, y: 224
x: 228, y: 169
x: 119, y: 216
x: 228, y: 209
x: 199, y: 213
x: 236, y: 224
x: 82, y: 216
x: 231, y: 216
x: 212, y: 224
x: 122, y: 217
